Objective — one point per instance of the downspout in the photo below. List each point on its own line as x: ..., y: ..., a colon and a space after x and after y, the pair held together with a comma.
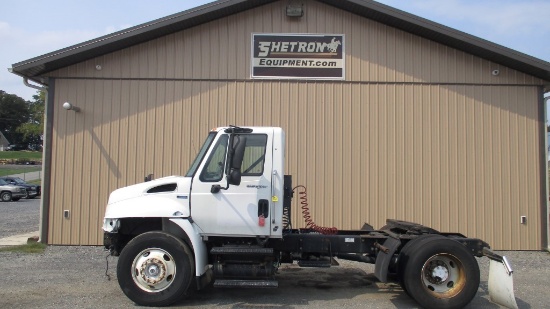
x: 45, y: 182
x: 546, y: 100
x: 26, y: 81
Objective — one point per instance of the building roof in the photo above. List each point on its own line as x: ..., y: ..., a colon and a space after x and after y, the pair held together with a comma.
x: 35, y: 67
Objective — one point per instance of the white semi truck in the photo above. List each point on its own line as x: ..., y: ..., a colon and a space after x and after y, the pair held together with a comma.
x: 228, y: 221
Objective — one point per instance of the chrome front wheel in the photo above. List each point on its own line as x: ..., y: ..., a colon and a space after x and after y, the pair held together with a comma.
x: 153, y: 270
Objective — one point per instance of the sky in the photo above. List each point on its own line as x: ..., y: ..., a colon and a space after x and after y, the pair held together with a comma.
x: 30, y: 28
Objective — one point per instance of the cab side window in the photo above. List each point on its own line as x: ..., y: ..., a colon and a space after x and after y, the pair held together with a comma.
x: 214, y: 168
x: 254, y: 155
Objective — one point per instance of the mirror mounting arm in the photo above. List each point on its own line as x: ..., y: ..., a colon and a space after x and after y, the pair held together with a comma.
x: 216, y: 188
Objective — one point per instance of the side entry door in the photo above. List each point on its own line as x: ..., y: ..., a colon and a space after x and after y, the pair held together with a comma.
x: 239, y: 210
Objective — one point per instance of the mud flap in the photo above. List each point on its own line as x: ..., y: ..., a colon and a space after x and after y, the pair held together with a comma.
x: 501, y: 280
x: 384, y: 257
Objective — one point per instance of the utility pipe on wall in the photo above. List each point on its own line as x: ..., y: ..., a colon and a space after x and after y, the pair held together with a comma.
x: 546, y: 100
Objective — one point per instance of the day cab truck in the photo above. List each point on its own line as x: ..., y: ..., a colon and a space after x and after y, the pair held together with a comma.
x: 227, y: 221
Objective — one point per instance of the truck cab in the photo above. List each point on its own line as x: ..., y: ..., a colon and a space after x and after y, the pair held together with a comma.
x: 251, y: 208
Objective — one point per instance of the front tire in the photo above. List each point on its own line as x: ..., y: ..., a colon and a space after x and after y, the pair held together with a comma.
x: 155, y: 269
x: 5, y: 196
x: 441, y: 273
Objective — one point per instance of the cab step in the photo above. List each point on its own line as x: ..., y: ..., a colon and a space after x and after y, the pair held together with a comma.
x: 322, y: 262
x: 241, y: 251
x: 228, y: 283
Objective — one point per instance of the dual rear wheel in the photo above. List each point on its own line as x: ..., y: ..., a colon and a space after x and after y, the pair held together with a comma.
x: 438, y: 272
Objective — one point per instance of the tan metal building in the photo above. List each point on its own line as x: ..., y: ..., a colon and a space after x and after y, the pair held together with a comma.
x: 427, y: 124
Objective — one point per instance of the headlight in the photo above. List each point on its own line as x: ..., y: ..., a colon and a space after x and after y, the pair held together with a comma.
x: 111, y: 225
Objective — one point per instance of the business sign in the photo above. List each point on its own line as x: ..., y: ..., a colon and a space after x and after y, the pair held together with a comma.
x: 298, y: 56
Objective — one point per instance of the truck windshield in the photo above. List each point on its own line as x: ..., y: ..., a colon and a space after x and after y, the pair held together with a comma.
x: 201, y: 154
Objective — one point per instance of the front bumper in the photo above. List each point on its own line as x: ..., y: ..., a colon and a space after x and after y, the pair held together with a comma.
x: 32, y: 193
x: 111, y: 242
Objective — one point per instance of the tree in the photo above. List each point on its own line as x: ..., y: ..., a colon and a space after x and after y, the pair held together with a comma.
x: 32, y: 130
x: 14, y: 111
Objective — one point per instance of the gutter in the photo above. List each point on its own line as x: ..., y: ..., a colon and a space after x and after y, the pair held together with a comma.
x: 46, y: 157
x: 546, y: 101
x: 26, y: 81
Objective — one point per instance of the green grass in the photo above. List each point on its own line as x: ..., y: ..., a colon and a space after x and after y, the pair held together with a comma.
x: 5, y: 171
x: 35, y: 182
x: 33, y: 247
x: 29, y: 155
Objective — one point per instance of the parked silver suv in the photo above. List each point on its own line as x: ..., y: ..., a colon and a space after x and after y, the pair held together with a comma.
x: 11, y: 192
x: 32, y: 190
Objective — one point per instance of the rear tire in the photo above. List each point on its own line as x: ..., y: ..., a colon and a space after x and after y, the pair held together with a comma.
x: 405, y: 255
x: 155, y: 269
x: 441, y: 273
x: 5, y: 196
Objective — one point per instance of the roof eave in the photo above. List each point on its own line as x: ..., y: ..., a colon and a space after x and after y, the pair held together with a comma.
x: 132, y: 36
x: 445, y: 35
x: 416, y: 25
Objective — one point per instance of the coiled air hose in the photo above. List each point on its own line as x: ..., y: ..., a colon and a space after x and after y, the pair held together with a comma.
x: 307, y: 216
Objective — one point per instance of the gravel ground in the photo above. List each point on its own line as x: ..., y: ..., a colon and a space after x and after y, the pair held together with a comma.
x: 19, y: 217
x: 74, y: 277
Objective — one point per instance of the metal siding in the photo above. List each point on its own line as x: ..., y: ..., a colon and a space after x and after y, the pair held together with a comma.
x: 374, y: 52
x: 423, y: 132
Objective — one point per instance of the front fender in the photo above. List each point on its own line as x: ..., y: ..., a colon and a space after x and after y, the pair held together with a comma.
x: 199, y: 247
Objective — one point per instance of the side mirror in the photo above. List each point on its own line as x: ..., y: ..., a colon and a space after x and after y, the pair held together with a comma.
x: 234, y: 178
x: 234, y: 175
x: 148, y: 178
x: 239, y: 144
x: 234, y: 163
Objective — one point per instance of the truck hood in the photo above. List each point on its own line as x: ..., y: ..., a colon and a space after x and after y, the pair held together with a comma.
x: 163, y: 197
x: 144, y: 188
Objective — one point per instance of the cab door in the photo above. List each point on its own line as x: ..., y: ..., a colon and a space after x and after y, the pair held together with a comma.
x: 242, y: 210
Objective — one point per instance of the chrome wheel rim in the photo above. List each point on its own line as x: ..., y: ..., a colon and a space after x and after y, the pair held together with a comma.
x: 153, y: 270
x: 443, y: 276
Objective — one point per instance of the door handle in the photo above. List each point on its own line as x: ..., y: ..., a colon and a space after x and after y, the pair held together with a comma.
x: 263, y: 208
